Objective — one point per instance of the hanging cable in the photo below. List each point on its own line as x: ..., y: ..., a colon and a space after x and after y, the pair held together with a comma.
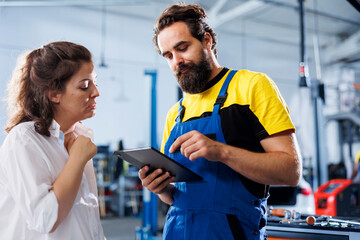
x: 316, y: 44
x: 103, y: 37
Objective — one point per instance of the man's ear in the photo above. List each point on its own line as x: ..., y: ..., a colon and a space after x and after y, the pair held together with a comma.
x: 208, y: 40
x: 54, y: 96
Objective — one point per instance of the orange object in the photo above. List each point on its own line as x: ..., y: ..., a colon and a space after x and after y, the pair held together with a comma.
x: 278, y: 212
x: 281, y: 238
x: 356, y: 86
x: 310, y: 220
x: 327, y: 196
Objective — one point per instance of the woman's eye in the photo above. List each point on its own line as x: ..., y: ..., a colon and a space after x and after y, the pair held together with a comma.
x: 84, y: 85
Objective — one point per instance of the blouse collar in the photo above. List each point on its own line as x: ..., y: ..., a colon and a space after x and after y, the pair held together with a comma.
x: 79, y: 129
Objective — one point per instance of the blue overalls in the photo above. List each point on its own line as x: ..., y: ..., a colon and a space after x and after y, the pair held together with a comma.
x: 219, y: 207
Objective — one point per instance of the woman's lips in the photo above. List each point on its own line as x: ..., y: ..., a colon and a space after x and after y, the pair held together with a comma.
x: 92, y: 107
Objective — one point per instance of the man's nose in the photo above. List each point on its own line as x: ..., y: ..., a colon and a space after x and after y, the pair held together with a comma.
x: 178, y: 59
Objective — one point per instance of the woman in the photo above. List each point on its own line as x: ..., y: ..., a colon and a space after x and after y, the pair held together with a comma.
x: 47, y: 181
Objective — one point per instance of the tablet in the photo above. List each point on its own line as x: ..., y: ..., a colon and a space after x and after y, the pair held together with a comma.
x: 151, y: 157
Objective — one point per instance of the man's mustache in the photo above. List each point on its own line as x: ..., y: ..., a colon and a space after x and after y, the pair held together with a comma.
x: 182, y: 67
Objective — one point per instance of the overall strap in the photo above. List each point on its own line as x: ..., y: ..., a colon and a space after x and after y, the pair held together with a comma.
x: 181, y: 112
x: 223, y: 93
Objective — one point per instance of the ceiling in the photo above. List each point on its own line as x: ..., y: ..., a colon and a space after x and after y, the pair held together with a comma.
x: 331, y: 21
x: 276, y: 20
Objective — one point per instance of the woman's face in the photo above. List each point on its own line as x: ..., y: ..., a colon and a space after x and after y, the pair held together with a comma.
x: 78, y: 101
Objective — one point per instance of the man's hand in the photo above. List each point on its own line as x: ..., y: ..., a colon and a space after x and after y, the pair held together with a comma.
x: 194, y: 145
x: 156, y: 181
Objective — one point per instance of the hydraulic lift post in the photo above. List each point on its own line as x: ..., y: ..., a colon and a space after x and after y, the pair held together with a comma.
x: 320, y: 173
x: 149, y: 224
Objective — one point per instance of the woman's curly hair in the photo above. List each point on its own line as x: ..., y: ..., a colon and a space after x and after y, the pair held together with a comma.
x: 47, y: 68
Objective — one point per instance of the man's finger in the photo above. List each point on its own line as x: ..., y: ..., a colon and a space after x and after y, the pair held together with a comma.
x: 179, y: 141
x: 158, y: 179
x: 163, y: 185
x: 148, y: 180
x: 143, y: 171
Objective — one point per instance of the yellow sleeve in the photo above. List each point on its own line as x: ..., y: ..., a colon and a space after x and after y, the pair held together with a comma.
x: 357, y: 157
x: 268, y: 105
x: 170, y: 123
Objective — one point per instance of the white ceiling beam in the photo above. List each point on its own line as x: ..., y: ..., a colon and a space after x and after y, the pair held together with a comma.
x: 216, y: 8
x: 345, y: 51
x: 71, y: 3
x: 242, y: 9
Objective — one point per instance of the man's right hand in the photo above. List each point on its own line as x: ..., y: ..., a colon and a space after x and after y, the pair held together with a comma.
x: 157, y: 181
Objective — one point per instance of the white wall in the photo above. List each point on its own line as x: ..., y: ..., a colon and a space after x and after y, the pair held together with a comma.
x: 280, y: 62
x: 122, y: 107
x: 128, y: 53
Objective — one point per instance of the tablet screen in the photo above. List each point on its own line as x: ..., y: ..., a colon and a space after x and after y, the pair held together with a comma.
x: 153, y: 158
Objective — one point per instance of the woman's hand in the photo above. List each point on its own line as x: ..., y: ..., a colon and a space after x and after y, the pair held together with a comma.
x: 69, y: 140
x: 81, y: 147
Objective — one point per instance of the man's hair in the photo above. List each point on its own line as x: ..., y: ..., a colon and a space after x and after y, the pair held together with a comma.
x: 47, y: 68
x: 193, y: 15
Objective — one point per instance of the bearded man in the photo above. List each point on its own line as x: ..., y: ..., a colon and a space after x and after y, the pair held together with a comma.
x: 233, y: 128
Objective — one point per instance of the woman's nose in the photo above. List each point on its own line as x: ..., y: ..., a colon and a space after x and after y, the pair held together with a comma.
x: 95, y: 92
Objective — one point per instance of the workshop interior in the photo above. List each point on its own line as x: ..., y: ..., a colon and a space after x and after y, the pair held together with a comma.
x: 309, y: 48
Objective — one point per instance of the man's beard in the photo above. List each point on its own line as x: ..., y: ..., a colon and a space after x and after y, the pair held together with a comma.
x: 196, y: 77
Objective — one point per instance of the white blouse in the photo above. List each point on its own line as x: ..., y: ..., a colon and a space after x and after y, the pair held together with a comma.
x: 29, y: 165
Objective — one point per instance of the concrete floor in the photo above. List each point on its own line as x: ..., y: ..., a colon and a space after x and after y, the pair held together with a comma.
x: 120, y: 228
x: 116, y: 228
x: 123, y: 228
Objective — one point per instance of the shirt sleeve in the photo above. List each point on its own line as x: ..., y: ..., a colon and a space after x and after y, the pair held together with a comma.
x: 357, y: 158
x: 166, y: 134
x: 30, y: 181
x: 269, y: 106
x: 169, y: 124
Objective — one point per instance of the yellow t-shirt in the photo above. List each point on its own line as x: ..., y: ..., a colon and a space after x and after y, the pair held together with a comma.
x: 253, y: 110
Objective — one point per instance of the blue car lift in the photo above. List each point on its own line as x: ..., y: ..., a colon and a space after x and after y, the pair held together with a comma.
x: 149, y: 224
